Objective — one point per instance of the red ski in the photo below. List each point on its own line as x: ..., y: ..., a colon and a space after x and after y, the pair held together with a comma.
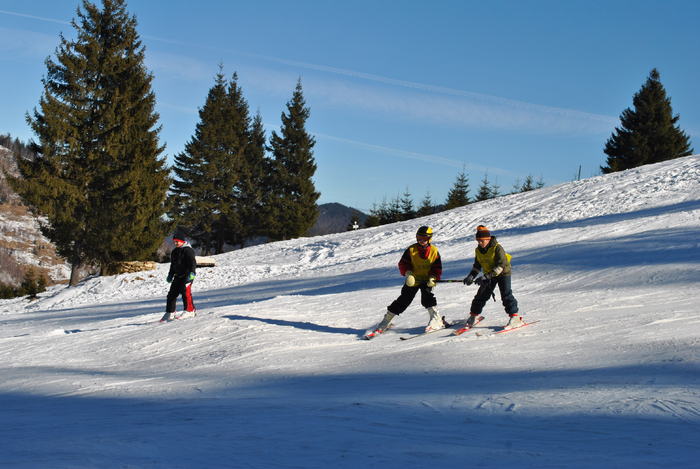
x: 503, y: 330
x: 464, y: 329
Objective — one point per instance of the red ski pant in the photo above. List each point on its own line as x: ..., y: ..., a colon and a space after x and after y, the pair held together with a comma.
x: 179, y: 287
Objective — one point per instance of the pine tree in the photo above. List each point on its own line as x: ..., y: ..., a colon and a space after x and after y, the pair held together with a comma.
x: 98, y: 178
x: 516, y: 186
x: 426, y: 206
x: 495, y: 190
x: 394, y: 212
x: 291, y: 202
x: 458, y: 195
x: 528, y: 185
x: 648, y: 133
x: 252, y: 186
x: 407, y: 210
x: 373, y: 218
x: 484, y: 192
x: 239, y: 180
x: 195, y: 198
x: 206, y: 194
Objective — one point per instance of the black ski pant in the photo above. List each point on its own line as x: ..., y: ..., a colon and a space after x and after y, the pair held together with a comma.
x: 427, y: 299
x: 179, y: 287
x: 486, y: 290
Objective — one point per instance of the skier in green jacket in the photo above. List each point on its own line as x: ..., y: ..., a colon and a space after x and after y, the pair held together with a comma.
x: 493, y: 262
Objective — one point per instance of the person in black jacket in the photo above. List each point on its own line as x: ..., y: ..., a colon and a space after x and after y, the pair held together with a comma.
x: 181, y: 275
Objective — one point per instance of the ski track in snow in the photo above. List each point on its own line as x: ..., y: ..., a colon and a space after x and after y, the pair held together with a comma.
x: 272, y: 373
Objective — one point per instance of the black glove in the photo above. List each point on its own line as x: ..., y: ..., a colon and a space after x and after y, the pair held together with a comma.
x: 469, y: 279
x: 484, y: 279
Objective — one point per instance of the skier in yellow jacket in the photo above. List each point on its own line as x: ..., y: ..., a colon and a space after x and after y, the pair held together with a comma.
x: 422, y: 267
x: 493, y: 262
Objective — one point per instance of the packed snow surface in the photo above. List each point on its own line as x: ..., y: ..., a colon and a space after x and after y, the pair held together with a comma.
x: 272, y: 372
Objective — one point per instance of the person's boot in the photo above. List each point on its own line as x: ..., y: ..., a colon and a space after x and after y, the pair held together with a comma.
x: 167, y: 317
x: 514, y: 321
x: 436, y: 322
x: 472, y: 320
x: 381, y: 327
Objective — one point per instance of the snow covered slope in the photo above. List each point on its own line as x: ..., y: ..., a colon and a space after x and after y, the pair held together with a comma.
x: 272, y: 374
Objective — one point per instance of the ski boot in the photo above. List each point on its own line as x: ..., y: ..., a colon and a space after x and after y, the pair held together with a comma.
x: 515, y: 321
x: 473, y: 319
x: 167, y: 317
x: 381, y: 327
x: 436, y: 322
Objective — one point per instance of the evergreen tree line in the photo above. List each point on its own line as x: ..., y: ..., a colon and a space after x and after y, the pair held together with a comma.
x: 402, y: 207
x: 96, y: 174
x: 232, y: 185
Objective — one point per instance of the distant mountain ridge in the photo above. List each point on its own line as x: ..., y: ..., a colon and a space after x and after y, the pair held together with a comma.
x: 335, y: 218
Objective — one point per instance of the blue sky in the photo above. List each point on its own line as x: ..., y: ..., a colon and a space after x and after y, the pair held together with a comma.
x: 403, y: 94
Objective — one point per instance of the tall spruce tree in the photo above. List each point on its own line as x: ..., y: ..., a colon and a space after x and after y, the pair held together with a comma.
x: 648, y: 133
x: 252, y: 184
x: 458, y: 195
x: 239, y: 178
x: 292, y: 196
x: 98, y: 177
x: 206, y: 194
x: 194, y: 195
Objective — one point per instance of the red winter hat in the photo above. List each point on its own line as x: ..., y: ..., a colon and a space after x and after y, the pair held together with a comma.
x: 482, y: 232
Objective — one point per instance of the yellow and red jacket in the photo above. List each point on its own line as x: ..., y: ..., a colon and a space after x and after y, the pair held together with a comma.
x: 424, y: 262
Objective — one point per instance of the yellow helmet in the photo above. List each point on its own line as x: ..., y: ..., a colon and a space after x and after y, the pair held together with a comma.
x: 425, y: 232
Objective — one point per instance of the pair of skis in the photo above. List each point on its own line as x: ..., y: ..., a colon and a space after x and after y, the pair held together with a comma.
x: 464, y: 328
x: 371, y: 334
x: 461, y: 328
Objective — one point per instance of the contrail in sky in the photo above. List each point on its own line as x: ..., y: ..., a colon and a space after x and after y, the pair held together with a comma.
x: 420, y: 156
x: 41, y: 18
x: 520, y: 106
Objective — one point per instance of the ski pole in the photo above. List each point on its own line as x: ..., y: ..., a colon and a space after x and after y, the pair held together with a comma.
x: 450, y: 281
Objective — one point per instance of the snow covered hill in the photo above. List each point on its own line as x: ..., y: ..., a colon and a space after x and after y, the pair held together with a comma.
x: 272, y: 374
x: 22, y: 244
